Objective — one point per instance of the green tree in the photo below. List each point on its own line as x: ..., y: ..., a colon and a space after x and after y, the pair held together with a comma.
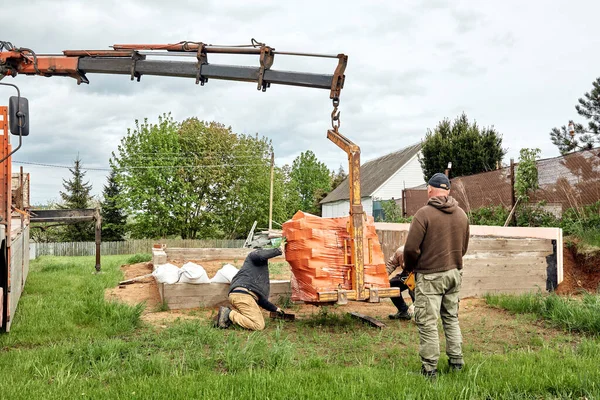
x: 310, y: 179
x: 195, y: 179
x: 392, y: 211
x: 338, y: 177
x: 584, y: 137
x: 470, y: 148
x: 526, y: 175
x: 113, y: 217
x: 77, y: 196
x: 146, y: 163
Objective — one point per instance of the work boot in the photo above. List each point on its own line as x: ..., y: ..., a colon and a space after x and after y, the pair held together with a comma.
x: 430, y: 374
x: 455, y: 366
x: 223, y: 320
x: 401, y: 315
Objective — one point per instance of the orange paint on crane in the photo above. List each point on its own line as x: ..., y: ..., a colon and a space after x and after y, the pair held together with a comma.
x: 318, y: 251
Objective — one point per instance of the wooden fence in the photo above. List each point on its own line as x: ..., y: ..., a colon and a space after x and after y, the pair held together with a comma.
x: 124, y: 247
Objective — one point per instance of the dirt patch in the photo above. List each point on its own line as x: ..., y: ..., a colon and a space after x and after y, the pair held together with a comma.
x: 581, y: 271
x: 144, y: 291
x: 480, y: 323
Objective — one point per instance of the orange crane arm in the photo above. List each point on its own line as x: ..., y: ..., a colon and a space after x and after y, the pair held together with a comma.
x: 137, y: 60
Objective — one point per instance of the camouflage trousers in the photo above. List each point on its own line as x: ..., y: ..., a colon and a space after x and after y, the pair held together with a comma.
x: 436, y: 295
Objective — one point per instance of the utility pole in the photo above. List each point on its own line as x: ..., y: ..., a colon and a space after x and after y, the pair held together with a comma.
x: 271, y: 193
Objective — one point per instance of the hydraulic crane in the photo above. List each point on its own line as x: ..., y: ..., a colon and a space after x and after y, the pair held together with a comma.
x: 137, y: 60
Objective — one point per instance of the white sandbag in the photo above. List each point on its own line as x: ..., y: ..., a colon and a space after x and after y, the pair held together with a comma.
x: 167, y: 273
x: 193, y: 273
x: 225, y: 274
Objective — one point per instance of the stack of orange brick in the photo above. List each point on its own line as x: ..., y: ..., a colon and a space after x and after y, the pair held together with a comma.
x: 315, y: 251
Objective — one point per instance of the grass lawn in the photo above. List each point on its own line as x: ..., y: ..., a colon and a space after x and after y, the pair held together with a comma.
x: 68, y: 342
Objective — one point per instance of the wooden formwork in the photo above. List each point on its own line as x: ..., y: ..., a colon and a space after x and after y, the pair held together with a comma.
x: 499, y: 259
x: 187, y: 295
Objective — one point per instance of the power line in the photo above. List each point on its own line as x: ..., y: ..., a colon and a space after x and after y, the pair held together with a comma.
x: 138, y: 167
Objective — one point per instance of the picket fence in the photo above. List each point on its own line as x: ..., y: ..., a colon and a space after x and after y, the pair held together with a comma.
x: 124, y: 247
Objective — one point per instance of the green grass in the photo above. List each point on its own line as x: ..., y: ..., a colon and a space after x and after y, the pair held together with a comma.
x: 576, y: 315
x: 67, y: 342
x: 139, y: 258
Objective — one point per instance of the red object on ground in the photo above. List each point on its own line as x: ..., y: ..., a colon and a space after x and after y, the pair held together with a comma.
x: 315, y: 251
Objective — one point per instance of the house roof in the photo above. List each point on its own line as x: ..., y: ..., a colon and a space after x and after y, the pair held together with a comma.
x: 375, y: 173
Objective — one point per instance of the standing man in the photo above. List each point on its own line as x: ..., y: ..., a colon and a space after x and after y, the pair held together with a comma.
x: 249, y: 291
x: 397, y: 261
x: 437, y: 241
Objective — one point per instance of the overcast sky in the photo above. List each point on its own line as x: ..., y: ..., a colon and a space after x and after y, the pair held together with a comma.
x: 517, y: 65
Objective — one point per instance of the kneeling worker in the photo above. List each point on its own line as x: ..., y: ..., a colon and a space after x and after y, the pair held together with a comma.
x: 399, y: 281
x: 249, y: 290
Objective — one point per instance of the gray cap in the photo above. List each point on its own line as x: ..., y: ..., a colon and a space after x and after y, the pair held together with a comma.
x: 439, y: 181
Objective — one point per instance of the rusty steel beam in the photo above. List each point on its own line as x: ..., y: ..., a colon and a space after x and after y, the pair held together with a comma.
x: 79, y: 215
x: 186, y: 69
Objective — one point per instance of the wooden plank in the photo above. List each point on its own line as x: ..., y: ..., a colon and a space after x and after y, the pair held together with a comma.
x: 504, y: 274
x: 504, y: 255
x: 209, y: 289
x: 190, y: 289
x: 370, y: 320
x: 510, y: 245
x: 187, y: 295
x: 498, y: 262
x: 494, y: 231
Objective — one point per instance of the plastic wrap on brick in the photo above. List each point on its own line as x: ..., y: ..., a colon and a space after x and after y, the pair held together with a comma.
x: 315, y: 251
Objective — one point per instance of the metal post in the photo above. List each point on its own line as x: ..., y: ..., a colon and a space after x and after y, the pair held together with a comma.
x: 98, y: 223
x: 512, y: 190
x: 271, y: 192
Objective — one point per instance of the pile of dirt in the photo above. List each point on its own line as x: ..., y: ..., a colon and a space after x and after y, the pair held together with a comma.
x: 144, y: 291
x: 581, y: 270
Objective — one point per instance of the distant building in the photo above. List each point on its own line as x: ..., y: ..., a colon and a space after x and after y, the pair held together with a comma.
x: 381, y: 179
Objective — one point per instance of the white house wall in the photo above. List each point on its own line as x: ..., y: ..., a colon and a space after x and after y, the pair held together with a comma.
x: 410, y: 175
x: 342, y: 208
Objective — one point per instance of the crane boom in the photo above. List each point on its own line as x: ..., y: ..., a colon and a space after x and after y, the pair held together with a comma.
x: 137, y: 60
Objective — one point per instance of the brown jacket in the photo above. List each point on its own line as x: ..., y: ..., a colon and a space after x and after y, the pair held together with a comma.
x: 438, y: 237
x: 395, y: 261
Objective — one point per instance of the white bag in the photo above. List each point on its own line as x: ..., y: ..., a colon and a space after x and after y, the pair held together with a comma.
x: 225, y: 274
x: 193, y: 273
x: 166, y: 273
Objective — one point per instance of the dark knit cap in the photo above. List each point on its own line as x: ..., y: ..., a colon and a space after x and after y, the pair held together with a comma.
x: 439, y: 181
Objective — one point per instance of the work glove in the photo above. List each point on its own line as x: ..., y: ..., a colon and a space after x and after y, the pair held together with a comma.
x: 280, y: 311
